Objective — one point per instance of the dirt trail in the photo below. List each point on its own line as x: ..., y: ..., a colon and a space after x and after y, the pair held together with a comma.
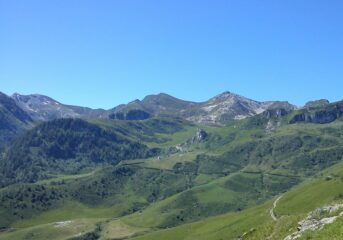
x: 272, y: 214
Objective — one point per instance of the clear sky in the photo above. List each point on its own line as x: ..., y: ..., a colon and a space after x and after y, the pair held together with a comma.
x: 102, y: 53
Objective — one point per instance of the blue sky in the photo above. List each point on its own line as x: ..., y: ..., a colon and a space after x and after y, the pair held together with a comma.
x: 103, y: 53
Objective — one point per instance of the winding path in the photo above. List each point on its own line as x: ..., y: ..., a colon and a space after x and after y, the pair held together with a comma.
x: 272, y: 214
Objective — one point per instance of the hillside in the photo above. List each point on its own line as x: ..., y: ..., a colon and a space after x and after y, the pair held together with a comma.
x: 169, y: 178
x: 13, y: 120
x: 66, y: 146
x: 257, y: 223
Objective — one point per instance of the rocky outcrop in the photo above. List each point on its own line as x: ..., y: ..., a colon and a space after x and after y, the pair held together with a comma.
x: 278, y: 113
x: 200, y: 135
x: 317, y: 219
x: 274, y: 117
x: 317, y: 103
x: 282, y: 105
x: 319, y: 115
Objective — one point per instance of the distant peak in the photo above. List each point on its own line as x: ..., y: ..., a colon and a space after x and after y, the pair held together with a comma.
x: 158, y: 96
x: 226, y: 95
x: 15, y: 95
x: 135, y: 101
x: 165, y: 95
x: 161, y: 95
x: 34, y: 98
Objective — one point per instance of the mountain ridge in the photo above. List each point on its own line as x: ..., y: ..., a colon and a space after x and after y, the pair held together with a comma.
x: 219, y: 109
x: 41, y: 107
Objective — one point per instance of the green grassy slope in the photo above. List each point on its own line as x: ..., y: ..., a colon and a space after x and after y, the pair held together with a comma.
x: 257, y: 223
x: 232, y: 193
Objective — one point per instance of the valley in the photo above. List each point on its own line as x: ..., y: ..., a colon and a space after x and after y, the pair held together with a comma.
x: 170, y: 176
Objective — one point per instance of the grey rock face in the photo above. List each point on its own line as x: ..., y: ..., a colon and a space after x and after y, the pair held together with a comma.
x: 269, y: 113
x: 316, y: 220
x: 317, y: 103
x: 44, y: 108
x: 226, y: 107
x: 201, y: 135
x: 320, y: 115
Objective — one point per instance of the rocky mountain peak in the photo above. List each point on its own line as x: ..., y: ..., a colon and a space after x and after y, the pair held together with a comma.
x: 44, y: 108
x: 161, y: 98
x: 225, y: 96
x: 34, y: 99
x: 227, y: 106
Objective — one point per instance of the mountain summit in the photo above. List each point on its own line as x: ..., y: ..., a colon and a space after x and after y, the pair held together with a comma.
x: 228, y: 106
x: 160, y: 104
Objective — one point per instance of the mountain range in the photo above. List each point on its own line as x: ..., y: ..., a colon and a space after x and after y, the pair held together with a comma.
x: 217, y: 110
x: 165, y: 168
